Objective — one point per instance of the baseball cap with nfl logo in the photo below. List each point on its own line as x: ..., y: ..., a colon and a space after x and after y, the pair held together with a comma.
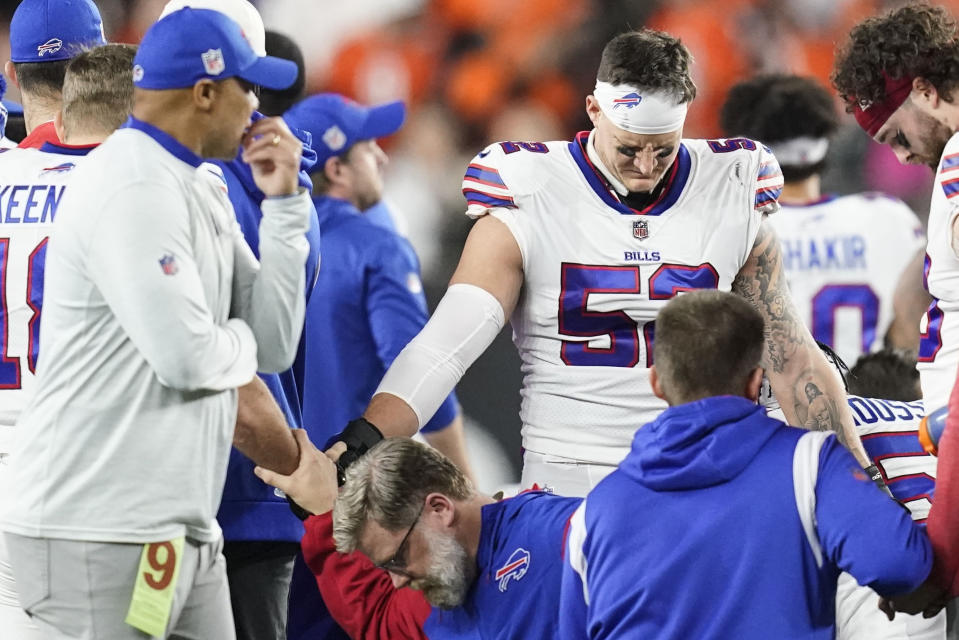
x: 49, y: 30
x: 190, y: 45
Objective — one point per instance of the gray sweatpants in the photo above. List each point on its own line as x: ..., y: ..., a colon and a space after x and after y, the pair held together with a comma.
x: 78, y: 590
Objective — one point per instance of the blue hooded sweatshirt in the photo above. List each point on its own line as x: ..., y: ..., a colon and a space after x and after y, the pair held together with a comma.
x: 697, y: 534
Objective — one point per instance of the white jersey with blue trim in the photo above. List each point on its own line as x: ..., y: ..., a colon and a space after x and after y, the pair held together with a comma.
x: 843, y: 257
x: 32, y: 182
x: 597, y: 272
x: 889, y: 430
x: 939, y: 329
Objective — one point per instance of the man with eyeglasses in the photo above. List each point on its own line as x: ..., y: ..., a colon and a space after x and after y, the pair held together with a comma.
x: 475, y: 565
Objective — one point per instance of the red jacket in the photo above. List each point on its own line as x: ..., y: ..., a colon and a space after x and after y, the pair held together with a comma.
x: 360, y: 597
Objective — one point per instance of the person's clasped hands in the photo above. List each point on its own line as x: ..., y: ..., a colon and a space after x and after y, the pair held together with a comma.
x: 313, y: 484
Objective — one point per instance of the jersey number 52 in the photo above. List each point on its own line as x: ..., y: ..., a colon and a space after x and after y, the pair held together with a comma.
x: 579, y: 281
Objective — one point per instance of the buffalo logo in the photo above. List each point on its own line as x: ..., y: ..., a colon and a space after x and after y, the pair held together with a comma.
x: 213, y: 62
x: 50, y: 46
x: 628, y: 101
x: 515, y: 568
x: 60, y: 168
x: 169, y: 265
x: 640, y: 229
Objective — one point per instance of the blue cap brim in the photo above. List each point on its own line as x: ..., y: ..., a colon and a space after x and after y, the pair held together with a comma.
x: 383, y: 120
x: 272, y: 73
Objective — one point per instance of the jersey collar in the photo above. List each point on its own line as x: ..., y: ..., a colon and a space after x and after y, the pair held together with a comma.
x: 675, y: 179
x: 45, y: 132
x: 165, y: 140
x: 68, y: 149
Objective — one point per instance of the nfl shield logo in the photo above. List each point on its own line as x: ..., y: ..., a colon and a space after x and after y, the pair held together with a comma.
x: 213, y: 62
x: 640, y: 229
x: 169, y: 265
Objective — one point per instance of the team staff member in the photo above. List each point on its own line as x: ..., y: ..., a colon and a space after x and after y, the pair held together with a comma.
x: 897, y: 74
x: 97, y: 98
x: 155, y: 312
x: 580, y: 243
x: 709, y: 484
x: 260, y: 534
x: 370, y: 274
x: 44, y: 36
x: 478, y: 568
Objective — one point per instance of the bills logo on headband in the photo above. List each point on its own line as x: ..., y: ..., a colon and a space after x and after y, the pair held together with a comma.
x: 628, y: 101
x: 514, y: 569
x: 50, y: 46
x: 213, y: 62
x: 640, y: 229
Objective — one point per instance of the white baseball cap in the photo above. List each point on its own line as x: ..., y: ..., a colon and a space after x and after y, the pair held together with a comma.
x: 240, y: 11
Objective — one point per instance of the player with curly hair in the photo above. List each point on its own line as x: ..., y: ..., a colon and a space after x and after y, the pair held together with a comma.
x: 899, y: 75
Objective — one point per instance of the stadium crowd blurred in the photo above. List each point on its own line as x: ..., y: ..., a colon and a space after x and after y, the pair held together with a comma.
x: 472, y: 73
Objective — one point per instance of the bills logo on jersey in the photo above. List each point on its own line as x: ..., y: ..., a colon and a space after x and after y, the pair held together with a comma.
x: 628, y: 101
x: 60, y: 168
x: 514, y: 569
x: 169, y: 265
x: 640, y: 229
x: 50, y: 46
x: 213, y: 62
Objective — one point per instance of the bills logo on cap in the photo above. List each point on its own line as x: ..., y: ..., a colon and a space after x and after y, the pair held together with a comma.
x: 213, y: 62
x: 334, y: 138
x: 628, y: 101
x: 640, y: 229
x: 169, y: 265
x: 515, y: 568
x: 50, y: 46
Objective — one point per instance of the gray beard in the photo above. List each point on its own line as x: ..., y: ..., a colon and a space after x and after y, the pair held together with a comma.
x: 451, y: 572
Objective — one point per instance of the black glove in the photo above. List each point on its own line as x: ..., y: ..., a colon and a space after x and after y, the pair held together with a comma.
x: 359, y: 436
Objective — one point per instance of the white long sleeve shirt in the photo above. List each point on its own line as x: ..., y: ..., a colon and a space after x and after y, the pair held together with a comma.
x: 154, y: 308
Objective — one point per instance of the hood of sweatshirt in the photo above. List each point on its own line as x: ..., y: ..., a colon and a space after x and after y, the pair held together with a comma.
x: 698, y: 444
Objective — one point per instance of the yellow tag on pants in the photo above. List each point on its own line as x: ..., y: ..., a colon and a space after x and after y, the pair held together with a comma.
x: 154, y: 587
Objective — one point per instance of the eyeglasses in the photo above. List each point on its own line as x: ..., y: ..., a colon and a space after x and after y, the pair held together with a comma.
x: 397, y: 563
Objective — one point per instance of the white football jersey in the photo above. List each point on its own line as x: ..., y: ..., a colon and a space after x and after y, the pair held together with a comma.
x: 32, y: 183
x: 889, y: 430
x: 597, y: 273
x: 843, y: 258
x: 939, y: 337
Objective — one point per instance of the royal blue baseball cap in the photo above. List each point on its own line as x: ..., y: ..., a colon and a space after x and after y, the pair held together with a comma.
x: 337, y: 123
x: 192, y: 44
x: 48, y: 30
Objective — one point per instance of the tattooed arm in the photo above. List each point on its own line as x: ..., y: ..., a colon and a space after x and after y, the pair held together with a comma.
x: 809, y: 392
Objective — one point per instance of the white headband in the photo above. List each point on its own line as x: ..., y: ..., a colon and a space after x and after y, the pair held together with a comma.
x: 800, y: 152
x: 645, y: 112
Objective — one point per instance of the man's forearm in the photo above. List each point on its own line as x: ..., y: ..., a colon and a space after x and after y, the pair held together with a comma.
x: 391, y: 415
x: 262, y: 434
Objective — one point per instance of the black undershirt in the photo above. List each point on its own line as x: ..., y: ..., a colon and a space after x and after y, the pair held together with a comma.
x: 640, y: 200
